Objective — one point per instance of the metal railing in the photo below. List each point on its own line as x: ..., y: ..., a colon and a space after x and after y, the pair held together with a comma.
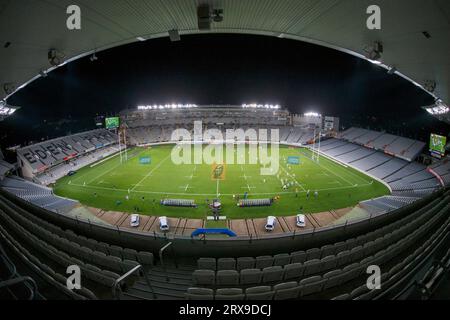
x: 140, y: 270
x: 13, y: 282
x: 161, y: 259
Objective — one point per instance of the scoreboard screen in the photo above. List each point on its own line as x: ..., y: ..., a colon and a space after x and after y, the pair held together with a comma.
x: 112, y: 123
x: 437, y: 145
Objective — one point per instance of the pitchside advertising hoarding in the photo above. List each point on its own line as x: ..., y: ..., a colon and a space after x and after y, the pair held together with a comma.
x: 112, y: 123
x: 437, y: 145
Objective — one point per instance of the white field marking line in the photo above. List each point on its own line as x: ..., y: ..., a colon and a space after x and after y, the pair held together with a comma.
x: 103, y: 163
x: 102, y: 174
x: 217, y: 188
x: 185, y: 187
x: 349, y: 171
x: 298, y: 183
x: 150, y: 173
x: 211, y: 194
x: 335, y: 174
x: 116, y: 166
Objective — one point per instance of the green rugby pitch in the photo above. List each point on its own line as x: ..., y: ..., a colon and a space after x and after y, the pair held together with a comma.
x: 107, y: 184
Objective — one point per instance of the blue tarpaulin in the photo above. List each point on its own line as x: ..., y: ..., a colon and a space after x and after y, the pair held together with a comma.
x: 145, y: 160
x: 213, y: 231
x: 294, y: 160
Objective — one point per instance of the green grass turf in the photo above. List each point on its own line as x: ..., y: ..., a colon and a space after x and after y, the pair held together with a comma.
x: 103, y: 185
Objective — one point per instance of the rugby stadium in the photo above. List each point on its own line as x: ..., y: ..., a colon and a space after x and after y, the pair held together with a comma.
x: 248, y: 201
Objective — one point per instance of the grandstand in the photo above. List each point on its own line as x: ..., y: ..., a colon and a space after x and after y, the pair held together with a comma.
x: 41, y: 157
x: 403, y: 148
x: 101, y: 201
x: 404, y: 177
x: 324, y: 261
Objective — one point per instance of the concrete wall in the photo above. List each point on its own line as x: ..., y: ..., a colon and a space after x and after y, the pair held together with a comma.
x: 239, y: 246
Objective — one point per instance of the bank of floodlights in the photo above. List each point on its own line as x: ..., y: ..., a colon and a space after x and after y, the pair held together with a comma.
x: 437, y: 109
x: 312, y: 114
x: 260, y: 106
x: 6, y: 110
x: 167, y: 106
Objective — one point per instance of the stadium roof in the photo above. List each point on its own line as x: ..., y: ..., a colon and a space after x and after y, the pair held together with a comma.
x: 415, y: 34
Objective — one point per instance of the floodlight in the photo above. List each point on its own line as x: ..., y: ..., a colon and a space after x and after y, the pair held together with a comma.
x: 437, y: 109
x: 312, y: 114
x: 6, y: 110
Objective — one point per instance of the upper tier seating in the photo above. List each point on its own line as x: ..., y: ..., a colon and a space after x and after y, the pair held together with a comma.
x: 44, y: 155
x: 53, y: 174
x: 154, y: 134
x: 400, y: 147
x: 405, y: 179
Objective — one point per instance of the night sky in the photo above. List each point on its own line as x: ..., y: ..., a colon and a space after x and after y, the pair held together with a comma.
x: 219, y: 69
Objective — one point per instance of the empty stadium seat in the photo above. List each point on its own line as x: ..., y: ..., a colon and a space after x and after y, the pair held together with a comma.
x: 259, y: 293
x: 207, y: 264
x: 263, y: 262
x: 229, y: 294
x: 272, y: 274
x: 245, y: 263
x: 200, y: 294
x: 281, y: 259
x: 227, y: 278
x: 293, y: 271
x: 311, y: 285
x: 286, y: 291
x: 250, y: 276
x: 204, y: 277
x: 226, y: 264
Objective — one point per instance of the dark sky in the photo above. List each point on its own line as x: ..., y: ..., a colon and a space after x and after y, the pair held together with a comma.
x: 219, y: 69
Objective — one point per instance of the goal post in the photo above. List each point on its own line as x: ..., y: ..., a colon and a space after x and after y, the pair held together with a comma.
x: 123, y: 149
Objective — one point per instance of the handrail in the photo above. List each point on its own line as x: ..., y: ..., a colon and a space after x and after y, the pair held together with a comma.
x: 161, y: 252
x: 7, y: 261
x: 125, y: 276
x: 15, y: 281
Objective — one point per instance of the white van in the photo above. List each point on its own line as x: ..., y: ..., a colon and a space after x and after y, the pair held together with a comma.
x: 163, y: 224
x: 300, y: 221
x: 134, y: 221
x: 270, y: 225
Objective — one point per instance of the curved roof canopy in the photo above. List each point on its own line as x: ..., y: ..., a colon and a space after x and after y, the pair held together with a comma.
x: 415, y: 34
